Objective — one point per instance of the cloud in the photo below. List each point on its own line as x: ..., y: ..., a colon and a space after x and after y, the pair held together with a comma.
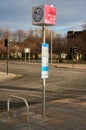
x: 76, y: 26
x: 18, y: 13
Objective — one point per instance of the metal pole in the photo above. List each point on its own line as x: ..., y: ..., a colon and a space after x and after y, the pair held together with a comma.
x: 25, y: 57
x: 29, y: 57
x: 26, y: 103
x: 7, y: 57
x: 51, y: 47
x: 73, y: 61
x: 43, y: 80
x: 8, y: 108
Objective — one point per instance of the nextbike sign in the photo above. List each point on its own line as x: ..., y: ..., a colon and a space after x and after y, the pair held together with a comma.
x: 38, y: 14
x: 45, y: 60
x: 44, y: 15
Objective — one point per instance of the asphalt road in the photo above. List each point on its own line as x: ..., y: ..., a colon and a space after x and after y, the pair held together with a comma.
x: 62, y: 83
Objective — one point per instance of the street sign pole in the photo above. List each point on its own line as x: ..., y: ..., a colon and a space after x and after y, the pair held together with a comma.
x: 29, y: 57
x: 7, y: 50
x: 25, y: 57
x: 43, y: 80
x: 51, y: 47
x: 44, y: 15
x: 27, y: 50
x: 7, y: 58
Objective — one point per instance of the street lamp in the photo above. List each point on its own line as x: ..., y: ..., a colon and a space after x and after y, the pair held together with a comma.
x: 51, y: 47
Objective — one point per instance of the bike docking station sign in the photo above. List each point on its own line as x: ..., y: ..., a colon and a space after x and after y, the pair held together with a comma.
x: 44, y: 15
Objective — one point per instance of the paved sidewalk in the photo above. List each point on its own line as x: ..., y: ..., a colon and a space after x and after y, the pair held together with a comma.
x: 63, y: 114
x: 4, y: 76
x: 64, y: 65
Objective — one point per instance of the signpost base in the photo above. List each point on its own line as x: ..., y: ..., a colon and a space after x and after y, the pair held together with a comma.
x: 43, y: 85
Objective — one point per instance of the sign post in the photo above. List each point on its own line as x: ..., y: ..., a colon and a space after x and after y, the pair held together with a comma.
x: 27, y: 50
x: 7, y: 47
x: 44, y: 70
x: 43, y: 80
x: 44, y: 67
x: 44, y: 15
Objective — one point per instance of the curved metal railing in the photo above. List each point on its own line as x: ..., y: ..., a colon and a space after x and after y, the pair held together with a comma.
x: 26, y: 103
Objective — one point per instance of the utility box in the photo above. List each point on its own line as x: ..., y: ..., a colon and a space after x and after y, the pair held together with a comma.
x: 44, y: 15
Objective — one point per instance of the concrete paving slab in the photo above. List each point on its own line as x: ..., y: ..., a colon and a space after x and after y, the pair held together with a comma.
x: 59, y: 116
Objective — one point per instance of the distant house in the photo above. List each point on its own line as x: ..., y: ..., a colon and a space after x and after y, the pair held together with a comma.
x: 78, y: 39
x: 72, y: 34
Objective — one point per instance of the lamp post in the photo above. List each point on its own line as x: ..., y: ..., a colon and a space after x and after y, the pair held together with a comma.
x: 51, y: 47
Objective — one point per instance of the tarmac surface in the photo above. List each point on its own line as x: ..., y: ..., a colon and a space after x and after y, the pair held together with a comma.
x: 62, y: 114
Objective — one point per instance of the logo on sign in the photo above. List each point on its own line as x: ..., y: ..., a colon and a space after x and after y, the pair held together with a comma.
x: 37, y: 14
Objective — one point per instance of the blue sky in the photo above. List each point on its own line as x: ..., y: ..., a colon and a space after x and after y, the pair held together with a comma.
x: 17, y: 14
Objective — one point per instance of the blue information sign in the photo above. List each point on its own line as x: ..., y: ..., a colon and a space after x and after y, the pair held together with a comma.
x: 45, y: 60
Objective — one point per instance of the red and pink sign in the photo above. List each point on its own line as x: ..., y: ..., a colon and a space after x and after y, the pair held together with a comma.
x: 44, y: 15
x: 49, y: 15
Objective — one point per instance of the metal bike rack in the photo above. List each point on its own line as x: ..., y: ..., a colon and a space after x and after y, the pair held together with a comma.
x: 27, y: 106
